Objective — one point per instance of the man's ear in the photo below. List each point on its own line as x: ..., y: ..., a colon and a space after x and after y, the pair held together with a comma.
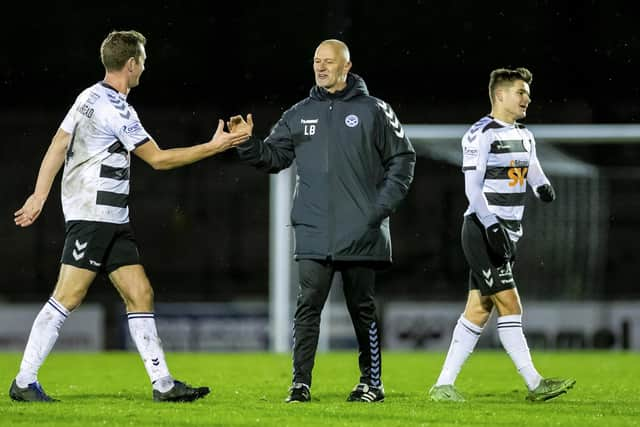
x: 347, y: 67
x: 131, y: 62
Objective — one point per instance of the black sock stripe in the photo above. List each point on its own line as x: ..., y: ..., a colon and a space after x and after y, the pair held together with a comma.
x: 470, y: 330
x: 56, y: 308
x: 140, y: 315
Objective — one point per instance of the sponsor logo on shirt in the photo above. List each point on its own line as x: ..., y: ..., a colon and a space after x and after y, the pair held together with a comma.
x: 470, y: 151
x: 517, y: 173
x: 132, y: 129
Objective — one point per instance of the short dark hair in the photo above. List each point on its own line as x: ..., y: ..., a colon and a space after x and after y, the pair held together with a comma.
x: 119, y: 46
x: 501, y: 76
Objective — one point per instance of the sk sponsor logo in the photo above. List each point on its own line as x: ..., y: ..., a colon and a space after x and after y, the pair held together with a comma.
x: 516, y: 174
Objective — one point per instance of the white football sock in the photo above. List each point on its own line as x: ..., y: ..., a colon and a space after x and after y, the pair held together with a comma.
x: 142, y: 327
x: 463, y: 341
x: 43, y: 336
x: 514, y: 342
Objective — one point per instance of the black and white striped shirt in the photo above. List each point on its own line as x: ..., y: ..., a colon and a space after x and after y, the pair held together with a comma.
x: 498, y: 160
x: 104, y: 128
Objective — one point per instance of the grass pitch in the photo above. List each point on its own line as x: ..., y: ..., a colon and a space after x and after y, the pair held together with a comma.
x: 112, y: 389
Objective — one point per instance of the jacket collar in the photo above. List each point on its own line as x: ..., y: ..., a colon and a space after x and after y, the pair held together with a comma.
x: 355, y: 87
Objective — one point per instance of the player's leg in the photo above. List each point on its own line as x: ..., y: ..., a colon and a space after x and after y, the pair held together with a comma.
x: 133, y: 285
x: 465, y: 336
x: 69, y: 292
x: 509, y: 325
x: 313, y: 289
x: 359, y: 292
x: 478, y: 308
x: 84, y: 242
x: 129, y: 278
x: 512, y: 337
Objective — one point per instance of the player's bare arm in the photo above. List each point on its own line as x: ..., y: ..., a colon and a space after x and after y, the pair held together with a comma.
x: 238, y: 124
x: 51, y: 164
x: 173, y: 158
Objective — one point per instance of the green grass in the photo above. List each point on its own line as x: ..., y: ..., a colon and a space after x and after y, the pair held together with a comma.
x: 248, y: 389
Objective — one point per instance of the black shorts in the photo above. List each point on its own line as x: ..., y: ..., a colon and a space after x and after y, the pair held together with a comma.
x: 99, y: 246
x: 486, y: 272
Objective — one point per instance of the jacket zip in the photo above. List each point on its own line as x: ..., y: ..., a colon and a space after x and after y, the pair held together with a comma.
x: 330, y: 222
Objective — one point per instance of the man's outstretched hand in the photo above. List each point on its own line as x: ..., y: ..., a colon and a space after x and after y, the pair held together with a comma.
x: 238, y: 124
x: 225, y: 140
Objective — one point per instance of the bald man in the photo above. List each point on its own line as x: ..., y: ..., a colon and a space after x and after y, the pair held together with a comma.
x: 355, y: 165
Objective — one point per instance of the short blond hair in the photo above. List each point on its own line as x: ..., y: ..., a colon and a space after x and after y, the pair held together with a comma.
x: 119, y: 46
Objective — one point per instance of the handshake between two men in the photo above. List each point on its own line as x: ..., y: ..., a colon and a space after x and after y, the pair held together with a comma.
x: 239, y: 131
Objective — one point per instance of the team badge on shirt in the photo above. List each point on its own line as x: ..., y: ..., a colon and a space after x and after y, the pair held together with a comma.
x: 351, y: 120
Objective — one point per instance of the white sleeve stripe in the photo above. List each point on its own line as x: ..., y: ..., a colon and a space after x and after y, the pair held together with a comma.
x: 392, y: 119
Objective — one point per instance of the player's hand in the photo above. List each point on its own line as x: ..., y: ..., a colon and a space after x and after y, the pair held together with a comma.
x: 29, y: 212
x: 499, y: 241
x: 546, y: 193
x: 237, y: 123
x: 225, y: 140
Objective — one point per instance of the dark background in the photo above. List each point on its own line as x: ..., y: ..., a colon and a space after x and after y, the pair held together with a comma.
x: 203, y: 229
x: 430, y: 60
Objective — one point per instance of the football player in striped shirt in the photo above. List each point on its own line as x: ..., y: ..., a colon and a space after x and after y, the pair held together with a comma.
x: 499, y: 159
x: 94, y: 143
